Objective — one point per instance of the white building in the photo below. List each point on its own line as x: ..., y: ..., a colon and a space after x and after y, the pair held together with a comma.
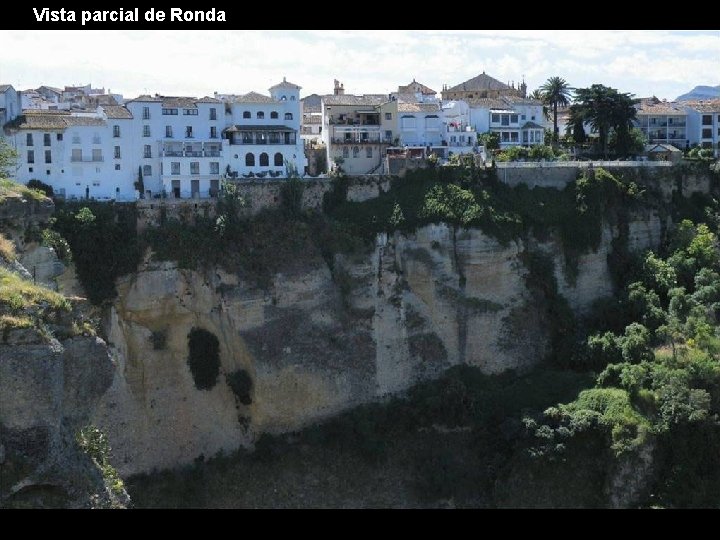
x: 9, y: 103
x: 703, y: 124
x: 518, y: 121
x: 178, y: 146
x: 263, y: 133
x: 420, y: 124
x: 311, y: 128
x: 459, y: 135
x: 663, y: 122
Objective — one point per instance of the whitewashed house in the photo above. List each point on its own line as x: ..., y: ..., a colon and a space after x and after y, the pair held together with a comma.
x: 703, y: 124
x: 9, y: 103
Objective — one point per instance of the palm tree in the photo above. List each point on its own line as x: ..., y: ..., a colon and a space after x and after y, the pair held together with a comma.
x: 555, y: 92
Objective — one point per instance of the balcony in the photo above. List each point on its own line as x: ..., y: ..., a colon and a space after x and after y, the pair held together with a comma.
x: 192, y: 153
x: 86, y: 159
x: 361, y: 140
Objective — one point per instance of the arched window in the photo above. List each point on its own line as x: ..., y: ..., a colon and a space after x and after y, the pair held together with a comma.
x: 278, y: 159
x: 346, y: 152
x: 356, y: 151
x: 264, y: 160
x: 288, y: 116
x: 292, y: 98
x: 260, y: 115
x: 274, y: 115
x: 284, y: 98
x: 249, y: 159
x: 246, y: 114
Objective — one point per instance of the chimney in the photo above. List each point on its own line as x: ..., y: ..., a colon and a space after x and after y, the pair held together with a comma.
x: 339, y: 90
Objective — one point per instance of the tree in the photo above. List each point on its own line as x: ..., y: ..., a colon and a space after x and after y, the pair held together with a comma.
x: 555, y: 92
x: 605, y: 109
x: 490, y: 140
x: 140, y: 184
x: 7, y: 157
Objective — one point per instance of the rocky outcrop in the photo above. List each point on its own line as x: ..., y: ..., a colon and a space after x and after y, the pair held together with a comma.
x: 319, y: 340
x: 48, y: 390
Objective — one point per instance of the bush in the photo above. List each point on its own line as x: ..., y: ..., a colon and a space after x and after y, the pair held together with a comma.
x: 41, y: 186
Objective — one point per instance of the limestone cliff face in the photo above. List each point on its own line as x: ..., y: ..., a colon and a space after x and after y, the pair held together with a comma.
x: 48, y: 390
x: 321, y: 340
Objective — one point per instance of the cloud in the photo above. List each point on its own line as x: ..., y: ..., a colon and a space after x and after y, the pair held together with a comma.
x: 372, y: 61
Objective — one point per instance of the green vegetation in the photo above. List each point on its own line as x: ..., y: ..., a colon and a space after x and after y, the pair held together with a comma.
x: 7, y: 249
x: 9, y: 189
x: 103, y: 241
x: 41, y: 186
x: 203, y: 358
x: 94, y: 443
x: 660, y: 385
x: 607, y: 111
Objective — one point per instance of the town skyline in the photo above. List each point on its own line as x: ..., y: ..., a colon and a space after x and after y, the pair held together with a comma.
x: 644, y: 63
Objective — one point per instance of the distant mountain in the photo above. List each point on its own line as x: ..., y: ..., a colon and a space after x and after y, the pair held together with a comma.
x: 701, y: 92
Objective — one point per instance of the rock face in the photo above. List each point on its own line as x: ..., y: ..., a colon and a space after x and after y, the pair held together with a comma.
x: 48, y: 390
x: 320, y: 341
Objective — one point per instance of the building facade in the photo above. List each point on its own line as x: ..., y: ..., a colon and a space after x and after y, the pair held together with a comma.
x: 356, y: 130
x: 163, y: 146
x: 703, y: 124
x: 663, y: 122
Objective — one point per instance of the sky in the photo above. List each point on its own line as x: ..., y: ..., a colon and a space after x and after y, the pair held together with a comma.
x: 197, y: 63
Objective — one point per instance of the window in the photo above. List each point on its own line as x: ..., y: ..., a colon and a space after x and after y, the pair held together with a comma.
x: 147, y: 151
x: 522, y: 117
x: 29, y: 139
x: 117, y: 166
x: 707, y: 133
x: 190, y: 112
x: 407, y: 122
x: 214, y: 167
x: 97, y: 154
x: 213, y: 113
x: 76, y: 154
x: 96, y: 138
x: 46, y: 139
x: 260, y: 115
x: 346, y: 152
x: 146, y: 113
x: 30, y: 169
x: 188, y: 132
x: 495, y: 118
x: 59, y: 136
x: 213, y: 132
x: 368, y: 151
x: 388, y: 116
x: 117, y: 152
x: 707, y: 120
x: 48, y: 156
x: 175, y: 167
x: 147, y: 170
x: 292, y: 98
x: 274, y: 115
x: 246, y: 114
x: 170, y: 112
x: 278, y: 159
x: 146, y: 130
x: 288, y: 116
x: 513, y: 118
x: 388, y: 135
x: 513, y: 136
x: 31, y: 156
x: 116, y: 131
x: 264, y: 160
x: 249, y: 159
x: 356, y: 151
x: 168, y: 132
x: 194, y: 167
x: 505, y: 120
x: 532, y: 118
